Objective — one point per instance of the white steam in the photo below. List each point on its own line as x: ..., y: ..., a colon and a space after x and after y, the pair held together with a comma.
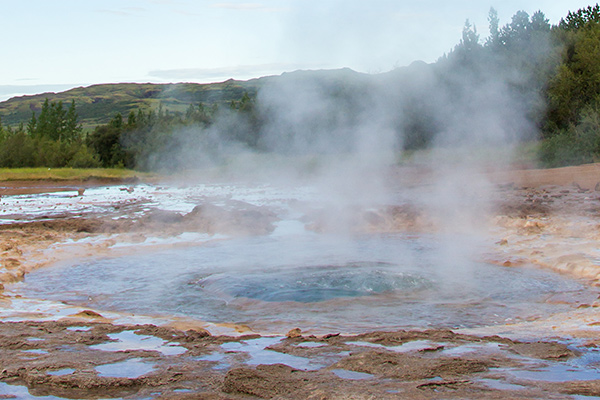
x: 343, y: 133
x: 348, y: 133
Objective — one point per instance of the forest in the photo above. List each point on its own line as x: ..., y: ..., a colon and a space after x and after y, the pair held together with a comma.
x: 542, y: 82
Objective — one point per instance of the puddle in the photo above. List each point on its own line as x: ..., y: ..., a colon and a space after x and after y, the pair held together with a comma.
x: 345, y: 374
x: 79, y: 328
x: 132, y: 368
x: 129, y: 340
x: 35, y: 351
x: 183, y: 238
x: 470, y: 348
x: 311, y: 344
x: 21, y: 392
x: 216, y: 357
x: 219, y: 358
x: 558, y: 372
x: 414, y: 345
x: 64, y: 371
x: 256, y: 349
x: 500, y: 385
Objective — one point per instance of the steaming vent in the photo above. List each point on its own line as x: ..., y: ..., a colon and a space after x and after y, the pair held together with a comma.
x: 314, y: 283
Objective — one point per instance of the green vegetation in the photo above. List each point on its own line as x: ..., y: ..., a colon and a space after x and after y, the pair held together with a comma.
x: 69, y: 174
x: 551, y: 74
x: 97, y: 104
x: 51, y: 139
x: 572, y: 130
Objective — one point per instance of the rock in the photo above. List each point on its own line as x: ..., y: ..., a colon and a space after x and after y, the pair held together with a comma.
x: 294, y: 333
x: 88, y: 314
x: 265, y: 381
x: 164, y: 217
x: 544, y: 350
x: 331, y: 335
x: 236, y: 218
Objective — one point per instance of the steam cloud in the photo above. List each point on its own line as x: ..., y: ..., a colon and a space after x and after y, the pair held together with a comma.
x: 344, y: 132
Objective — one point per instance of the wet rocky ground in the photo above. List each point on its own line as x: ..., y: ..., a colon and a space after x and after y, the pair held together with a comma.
x: 89, y: 355
x: 91, y: 360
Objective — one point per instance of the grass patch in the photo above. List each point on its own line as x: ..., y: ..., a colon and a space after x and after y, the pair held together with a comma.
x: 77, y: 174
x: 523, y: 154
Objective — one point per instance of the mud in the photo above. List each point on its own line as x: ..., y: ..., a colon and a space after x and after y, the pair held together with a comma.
x: 17, y: 187
x: 551, y: 220
x: 63, y: 359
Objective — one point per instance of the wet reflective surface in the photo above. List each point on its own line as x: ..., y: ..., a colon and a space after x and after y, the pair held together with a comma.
x: 131, y: 368
x: 21, y: 392
x: 129, y: 340
x: 310, y: 280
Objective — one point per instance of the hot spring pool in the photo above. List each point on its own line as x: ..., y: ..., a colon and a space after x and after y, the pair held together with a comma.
x: 309, y: 281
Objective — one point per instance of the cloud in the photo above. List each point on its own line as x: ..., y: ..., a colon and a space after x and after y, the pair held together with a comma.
x: 9, y: 91
x: 240, y: 6
x: 123, y: 12
x: 165, y: 2
x: 238, y: 71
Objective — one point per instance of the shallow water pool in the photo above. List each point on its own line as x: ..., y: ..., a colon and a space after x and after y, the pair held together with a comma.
x: 311, y: 281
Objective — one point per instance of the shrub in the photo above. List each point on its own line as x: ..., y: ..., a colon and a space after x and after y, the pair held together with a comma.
x: 579, y: 144
x: 84, y: 158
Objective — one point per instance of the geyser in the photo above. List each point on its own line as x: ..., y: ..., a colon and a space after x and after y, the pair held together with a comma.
x: 306, y: 284
x: 317, y: 282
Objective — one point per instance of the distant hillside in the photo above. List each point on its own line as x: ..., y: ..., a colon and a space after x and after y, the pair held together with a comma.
x: 97, y: 104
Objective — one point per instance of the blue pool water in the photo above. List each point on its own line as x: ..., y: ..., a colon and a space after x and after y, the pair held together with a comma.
x: 309, y: 280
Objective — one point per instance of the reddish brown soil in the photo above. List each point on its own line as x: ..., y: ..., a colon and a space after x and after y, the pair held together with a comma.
x: 55, y: 358
x: 534, y: 214
x: 8, y: 188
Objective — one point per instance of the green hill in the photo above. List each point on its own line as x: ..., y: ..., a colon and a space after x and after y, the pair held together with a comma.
x: 97, y: 104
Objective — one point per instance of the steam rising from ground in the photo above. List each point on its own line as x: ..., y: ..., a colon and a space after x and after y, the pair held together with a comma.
x: 350, y: 136
x: 344, y: 133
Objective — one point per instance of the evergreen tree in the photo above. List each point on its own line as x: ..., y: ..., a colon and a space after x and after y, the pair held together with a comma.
x: 57, y: 119
x: 539, y: 22
x: 131, y: 121
x: 32, y: 125
x: 117, y: 122
x: 72, y: 128
x: 494, y: 40
x: 518, y: 32
x: 581, y: 18
x: 43, y: 126
x: 3, y: 132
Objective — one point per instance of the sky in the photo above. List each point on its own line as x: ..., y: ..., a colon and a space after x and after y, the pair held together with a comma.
x: 54, y: 45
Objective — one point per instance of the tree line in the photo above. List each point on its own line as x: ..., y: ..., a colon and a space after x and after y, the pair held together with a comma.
x: 51, y: 139
x: 561, y: 64
x: 551, y: 72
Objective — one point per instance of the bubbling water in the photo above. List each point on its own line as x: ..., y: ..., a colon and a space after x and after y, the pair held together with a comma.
x: 315, y: 282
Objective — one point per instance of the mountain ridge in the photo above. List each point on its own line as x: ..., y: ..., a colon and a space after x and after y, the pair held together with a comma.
x: 98, y: 103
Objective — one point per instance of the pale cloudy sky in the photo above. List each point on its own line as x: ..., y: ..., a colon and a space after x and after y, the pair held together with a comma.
x: 53, y: 45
